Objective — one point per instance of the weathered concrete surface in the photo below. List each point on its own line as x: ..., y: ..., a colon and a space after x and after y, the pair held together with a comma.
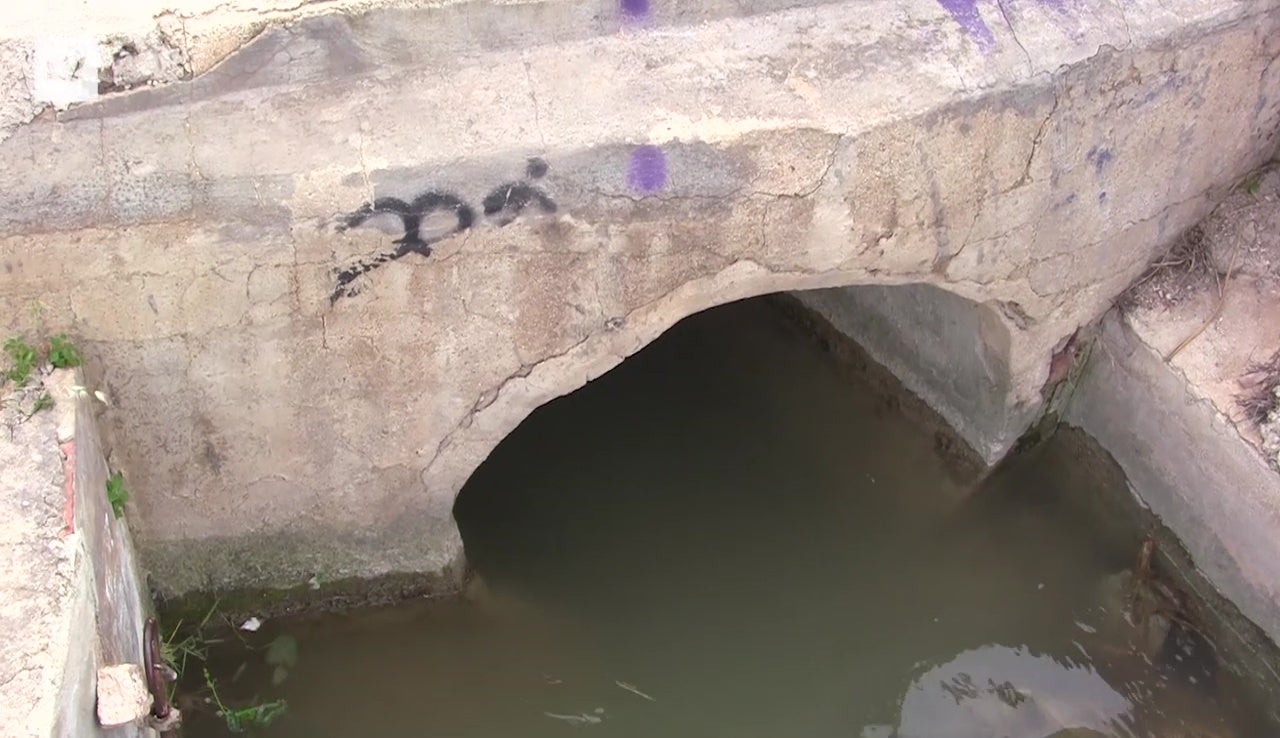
x: 70, y: 599
x: 1186, y: 460
x: 278, y: 419
x: 1240, y: 647
x: 1222, y: 350
x: 1176, y: 425
x: 56, y: 53
x: 947, y: 350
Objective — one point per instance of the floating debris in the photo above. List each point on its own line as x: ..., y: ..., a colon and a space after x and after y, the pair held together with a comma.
x: 251, y: 625
x: 633, y: 690
x: 580, y: 719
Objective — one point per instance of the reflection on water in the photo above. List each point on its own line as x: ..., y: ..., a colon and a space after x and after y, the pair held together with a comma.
x: 1014, y: 690
x: 727, y: 536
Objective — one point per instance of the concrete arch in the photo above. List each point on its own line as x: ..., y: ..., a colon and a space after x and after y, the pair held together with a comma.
x: 286, y: 389
x: 981, y: 350
x: 471, y: 441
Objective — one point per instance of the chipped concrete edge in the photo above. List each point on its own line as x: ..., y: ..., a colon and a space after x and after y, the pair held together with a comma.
x: 52, y: 63
x: 93, y: 607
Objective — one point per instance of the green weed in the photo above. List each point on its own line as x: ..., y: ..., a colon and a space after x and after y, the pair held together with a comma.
x: 43, y: 402
x: 258, y: 715
x: 194, y: 645
x: 117, y: 495
x: 63, y: 354
x: 1252, y: 184
x: 22, y: 358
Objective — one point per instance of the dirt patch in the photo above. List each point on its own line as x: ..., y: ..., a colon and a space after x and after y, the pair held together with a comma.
x: 1211, y: 307
x: 1186, y: 270
x: 1260, y: 400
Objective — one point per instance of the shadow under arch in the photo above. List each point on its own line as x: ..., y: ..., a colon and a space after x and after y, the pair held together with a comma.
x: 969, y: 369
x: 948, y: 341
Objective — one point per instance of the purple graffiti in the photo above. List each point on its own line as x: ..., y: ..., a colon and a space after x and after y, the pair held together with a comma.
x: 647, y: 169
x: 965, y: 12
x: 1100, y: 157
x: 634, y: 9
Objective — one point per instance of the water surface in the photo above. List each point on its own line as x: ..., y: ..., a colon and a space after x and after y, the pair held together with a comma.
x: 729, y: 535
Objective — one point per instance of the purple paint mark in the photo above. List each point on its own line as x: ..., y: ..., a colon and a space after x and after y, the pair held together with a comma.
x: 965, y: 12
x: 1100, y: 158
x: 647, y: 170
x: 1065, y: 16
x: 634, y: 9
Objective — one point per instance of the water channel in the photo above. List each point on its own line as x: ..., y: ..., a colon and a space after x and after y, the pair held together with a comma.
x: 733, y: 535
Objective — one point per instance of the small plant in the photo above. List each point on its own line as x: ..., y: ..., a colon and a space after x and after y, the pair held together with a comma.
x: 117, y: 495
x: 194, y: 645
x: 22, y: 358
x: 1252, y: 184
x: 258, y: 715
x: 43, y: 402
x: 63, y: 354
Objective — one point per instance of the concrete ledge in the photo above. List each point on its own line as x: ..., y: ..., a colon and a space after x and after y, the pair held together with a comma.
x: 951, y: 352
x: 70, y: 599
x: 1186, y: 461
x: 296, y: 383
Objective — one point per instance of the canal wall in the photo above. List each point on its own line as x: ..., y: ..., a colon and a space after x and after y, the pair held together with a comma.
x: 73, y: 598
x: 322, y: 278
x: 945, y: 349
x: 1173, y: 387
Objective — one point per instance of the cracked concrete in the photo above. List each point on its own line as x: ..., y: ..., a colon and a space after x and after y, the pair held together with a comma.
x: 1164, y: 391
x: 186, y: 233
x: 70, y: 597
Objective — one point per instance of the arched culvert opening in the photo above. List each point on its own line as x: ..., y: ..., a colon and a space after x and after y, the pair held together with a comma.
x: 754, y: 527
x: 754, y: 411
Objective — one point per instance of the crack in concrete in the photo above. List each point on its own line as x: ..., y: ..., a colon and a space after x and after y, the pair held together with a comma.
x: 1036, y: 141
x: 941, y: 264
x: 1031, y: 67
x: 1124, y: 18
x: 364, y: 165
x: 1071, y: 256
x: 191, y: 149
x: 821, y: 179
x: 533, y: 95
x: 488, y: 397
x: 108, y: 180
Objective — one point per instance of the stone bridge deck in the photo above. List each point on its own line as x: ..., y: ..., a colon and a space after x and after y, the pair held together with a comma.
x: 322, y: 280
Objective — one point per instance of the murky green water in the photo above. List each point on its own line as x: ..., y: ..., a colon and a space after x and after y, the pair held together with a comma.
x: 726, y: 537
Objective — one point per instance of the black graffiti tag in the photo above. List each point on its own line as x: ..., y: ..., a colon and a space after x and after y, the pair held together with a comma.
x: 506, y: 202
x: 502, y: 205
x: 412, y: 242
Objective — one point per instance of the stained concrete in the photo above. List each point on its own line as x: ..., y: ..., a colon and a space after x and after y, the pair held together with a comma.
x: 1216, y: 307
x: 1185, y: 461
x: 945, y: 349
x: 70, y: 593
x: 1163, y: 393
x: 294, y: 394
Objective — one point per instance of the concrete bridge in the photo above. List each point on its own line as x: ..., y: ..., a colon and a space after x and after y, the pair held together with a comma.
x: 322, y: 278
